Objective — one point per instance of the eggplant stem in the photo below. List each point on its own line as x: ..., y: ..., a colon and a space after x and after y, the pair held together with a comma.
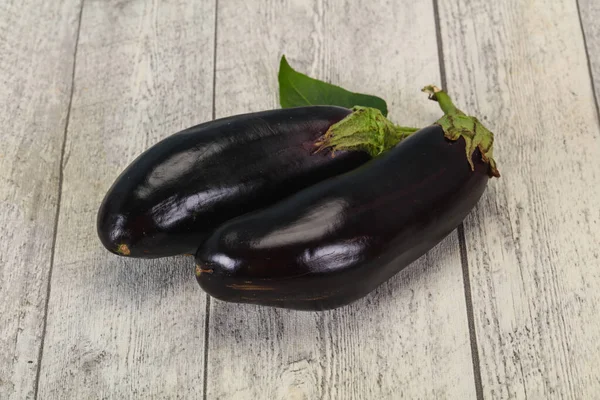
x: 407, y: 129
x: 457, y: 124
x: 365, y: 129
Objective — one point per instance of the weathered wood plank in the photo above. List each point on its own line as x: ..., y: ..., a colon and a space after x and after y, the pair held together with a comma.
x: 533, y: 242
x: 409, y: 339
x: 122, y: 328
x: 589, y: 11
x: 37, y: 42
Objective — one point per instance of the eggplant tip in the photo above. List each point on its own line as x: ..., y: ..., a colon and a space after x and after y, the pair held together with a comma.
x: 123, y: 250
x: 200, y: 271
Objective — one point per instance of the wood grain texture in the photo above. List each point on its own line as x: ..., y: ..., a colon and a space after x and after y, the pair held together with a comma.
x: 533, y: 242
x: 589, y: 11
x: 410, y: 338
x: 37, y: 41
x: 122, y: 328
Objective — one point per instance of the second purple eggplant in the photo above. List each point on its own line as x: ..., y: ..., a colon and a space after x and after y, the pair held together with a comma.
x: 338, y: 240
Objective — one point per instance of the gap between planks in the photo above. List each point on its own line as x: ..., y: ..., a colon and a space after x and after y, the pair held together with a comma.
x: 589, y: 61
x: 58, y: 200
x: 464, y: 259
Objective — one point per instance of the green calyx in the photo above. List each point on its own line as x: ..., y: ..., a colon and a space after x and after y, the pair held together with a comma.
x: 123, y: 250
x: 365, y: 129
x: 457, y: 124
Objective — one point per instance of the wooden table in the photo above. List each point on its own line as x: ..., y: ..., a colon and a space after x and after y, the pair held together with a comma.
x: 506, y: 307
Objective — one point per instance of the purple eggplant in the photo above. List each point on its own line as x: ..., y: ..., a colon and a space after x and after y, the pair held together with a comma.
x: 180, y: 190
x: 335, y: 242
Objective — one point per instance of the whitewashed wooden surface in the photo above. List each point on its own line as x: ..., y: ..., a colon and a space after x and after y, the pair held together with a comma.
x: 534, y: 241
x: 507, y: 307
x: 37, y: 42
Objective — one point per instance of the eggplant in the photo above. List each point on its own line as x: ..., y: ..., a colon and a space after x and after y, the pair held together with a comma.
x: 176, y: 193
x: 337, y: 241
x: 173, y: 195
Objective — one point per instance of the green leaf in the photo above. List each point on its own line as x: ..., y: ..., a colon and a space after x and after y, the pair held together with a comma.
x: 296, y: 90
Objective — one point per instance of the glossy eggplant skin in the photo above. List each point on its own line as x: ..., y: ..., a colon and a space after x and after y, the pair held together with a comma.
x: 335, y: 242
x: 177, y: 192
